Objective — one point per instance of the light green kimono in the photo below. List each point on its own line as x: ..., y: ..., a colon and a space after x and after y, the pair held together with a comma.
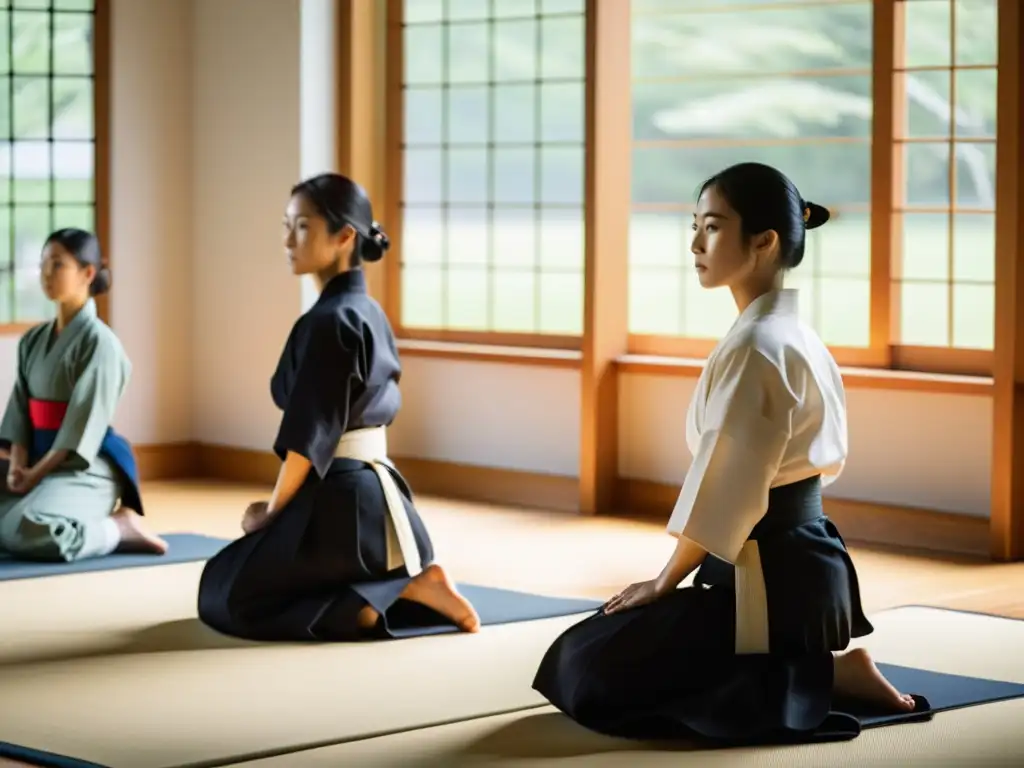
x: 66, y: 516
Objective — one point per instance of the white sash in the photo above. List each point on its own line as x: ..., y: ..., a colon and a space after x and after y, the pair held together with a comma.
x: 751, y: 601
x: 370, y: 445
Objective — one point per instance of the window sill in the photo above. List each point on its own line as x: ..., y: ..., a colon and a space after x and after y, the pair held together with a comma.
x: 655, y: 365
x: 853, y: 378
x: 485, y: 353
x: 17, y: 329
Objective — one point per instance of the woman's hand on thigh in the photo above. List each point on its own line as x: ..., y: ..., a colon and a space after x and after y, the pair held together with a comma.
x: 634, y: 596
x: 255, y: 517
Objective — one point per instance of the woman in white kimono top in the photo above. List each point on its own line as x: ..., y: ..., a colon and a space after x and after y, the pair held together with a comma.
x: 754, y: 650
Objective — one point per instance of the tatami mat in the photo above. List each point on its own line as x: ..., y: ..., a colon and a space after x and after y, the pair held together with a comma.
x: 983, y: 736
x: 118, y: 671
x: 944, y: 641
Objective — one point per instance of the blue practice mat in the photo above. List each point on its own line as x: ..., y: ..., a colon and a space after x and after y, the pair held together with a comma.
x: 495, y: 606
x: 943, y: 692
x: 182, y: 548
x: 43, y: 759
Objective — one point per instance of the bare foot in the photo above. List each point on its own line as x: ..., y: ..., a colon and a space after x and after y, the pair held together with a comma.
x: 857, y: 677
x: 134, y: 536
x: 433, y: 589
x: 367, y: 618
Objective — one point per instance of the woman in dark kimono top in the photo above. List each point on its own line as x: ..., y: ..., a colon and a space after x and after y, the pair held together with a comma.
x: 756, y: 649
x: 339, y: 551
x: 72, y: 489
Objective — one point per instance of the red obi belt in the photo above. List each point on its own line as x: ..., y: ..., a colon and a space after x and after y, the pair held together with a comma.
x: 48, y: 415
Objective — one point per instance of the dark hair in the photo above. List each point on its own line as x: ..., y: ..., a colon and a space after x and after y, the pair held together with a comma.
x: 86, y: 249
x: 341, y: 201
x: 765, y: 199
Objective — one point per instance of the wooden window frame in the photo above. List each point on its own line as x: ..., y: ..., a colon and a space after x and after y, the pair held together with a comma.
x: 882, y: 351
x: 101, y: 149
x: 394, y: 133
x: 890, y: 31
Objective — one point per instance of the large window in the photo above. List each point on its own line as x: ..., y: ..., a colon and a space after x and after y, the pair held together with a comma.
x: 492, y: 228
x: 946, y: 161
x: 792, y: 84
x: 882, y: 110
x: 47, y: 154
x: 716, y: 83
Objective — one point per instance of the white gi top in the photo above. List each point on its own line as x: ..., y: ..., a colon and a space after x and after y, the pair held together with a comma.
x: 769, y: 409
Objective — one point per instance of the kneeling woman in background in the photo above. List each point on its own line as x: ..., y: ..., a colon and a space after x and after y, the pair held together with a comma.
x: 339, y: 551
x: 71, y: 489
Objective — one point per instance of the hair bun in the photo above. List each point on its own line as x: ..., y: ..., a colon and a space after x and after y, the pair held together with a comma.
x: 375, y: 244
x: 379, y: 236
x: 815, y: 215
x: 101, y: 282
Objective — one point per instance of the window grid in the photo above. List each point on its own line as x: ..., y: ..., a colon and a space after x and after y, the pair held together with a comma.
x: 447, y: 261
x: 955, y: 141
x: 30, y: 213
x: 889, y: 347
x: 648, y: 336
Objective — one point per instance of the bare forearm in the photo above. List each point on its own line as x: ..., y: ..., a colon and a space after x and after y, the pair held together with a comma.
x: 290, y: 478
x: 48, y: 463
x: 19, y: 455
x: 687, y: 556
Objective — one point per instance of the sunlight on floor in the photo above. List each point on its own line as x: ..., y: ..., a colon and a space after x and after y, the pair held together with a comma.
x: 561, y: 553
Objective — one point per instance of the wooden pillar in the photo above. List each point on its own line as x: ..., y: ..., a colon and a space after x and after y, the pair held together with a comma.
x: 102, y: 86
x: 1007, y: 515
x: 362, y: 62
x: 886, y: 174
x: 608, y: 131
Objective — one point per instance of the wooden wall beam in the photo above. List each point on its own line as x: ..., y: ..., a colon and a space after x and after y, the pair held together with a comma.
x: 642, y: 500
x: 1007, y: 516
x: 361, y: 64
x: 605, y: 325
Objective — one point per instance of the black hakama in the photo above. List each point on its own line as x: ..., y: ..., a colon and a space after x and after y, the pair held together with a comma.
x: 669, y: 670
x: 322, y: 558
